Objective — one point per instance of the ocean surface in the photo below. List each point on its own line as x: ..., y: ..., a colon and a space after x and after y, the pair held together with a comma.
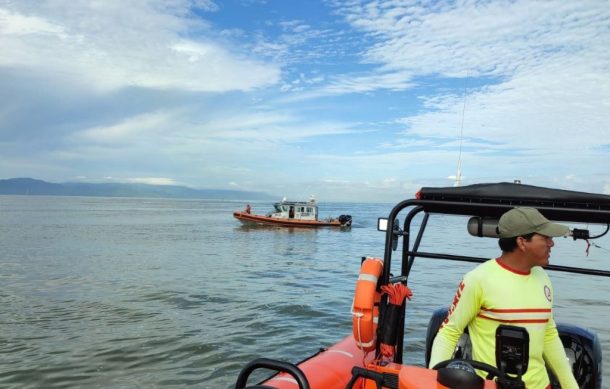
x: 145, y: 293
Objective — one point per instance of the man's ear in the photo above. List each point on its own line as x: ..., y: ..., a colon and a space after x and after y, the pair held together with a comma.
x: 521, y: 243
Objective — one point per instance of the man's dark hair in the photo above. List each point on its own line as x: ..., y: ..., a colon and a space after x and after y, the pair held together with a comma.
x: 510, y: 244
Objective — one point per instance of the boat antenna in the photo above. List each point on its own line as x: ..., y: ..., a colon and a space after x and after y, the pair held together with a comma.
x: 458, y: 174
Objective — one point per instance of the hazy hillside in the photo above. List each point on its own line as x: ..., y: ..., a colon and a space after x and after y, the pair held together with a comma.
x: 30, y: 186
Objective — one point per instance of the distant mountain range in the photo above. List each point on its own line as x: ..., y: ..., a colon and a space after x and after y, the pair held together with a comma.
x: 30, y: 186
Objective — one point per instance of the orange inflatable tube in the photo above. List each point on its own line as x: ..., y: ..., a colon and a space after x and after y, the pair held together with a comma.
x: 330, y: 369
x: 412, y: 377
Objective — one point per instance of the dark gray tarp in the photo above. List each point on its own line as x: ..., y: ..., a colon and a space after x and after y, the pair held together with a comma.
x: 509, y: 192
x: 492, y: 200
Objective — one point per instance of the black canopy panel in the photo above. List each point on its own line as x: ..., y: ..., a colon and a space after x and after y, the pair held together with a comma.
x: 492, y: 200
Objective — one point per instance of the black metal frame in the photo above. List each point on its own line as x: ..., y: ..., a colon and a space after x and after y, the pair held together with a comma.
x: 555, y: 204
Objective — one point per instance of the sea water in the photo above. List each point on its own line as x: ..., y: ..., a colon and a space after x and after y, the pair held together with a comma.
x: 121, y: 292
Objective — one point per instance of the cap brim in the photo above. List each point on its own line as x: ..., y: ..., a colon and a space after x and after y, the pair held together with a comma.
x: 553, y: 230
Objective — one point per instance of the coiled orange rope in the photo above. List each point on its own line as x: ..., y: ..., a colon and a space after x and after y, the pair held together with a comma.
x: 397, y: 294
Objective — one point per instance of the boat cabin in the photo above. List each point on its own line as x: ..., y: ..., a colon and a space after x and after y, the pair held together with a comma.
x: 299, y: 210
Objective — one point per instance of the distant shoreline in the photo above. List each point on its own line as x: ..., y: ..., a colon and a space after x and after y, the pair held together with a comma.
x: 35, y: 187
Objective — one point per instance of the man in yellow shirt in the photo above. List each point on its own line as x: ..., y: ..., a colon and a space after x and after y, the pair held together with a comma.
x: 511, y: 289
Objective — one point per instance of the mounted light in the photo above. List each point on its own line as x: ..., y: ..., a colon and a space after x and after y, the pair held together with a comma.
x: 483, y: 227
x: 382, y: 224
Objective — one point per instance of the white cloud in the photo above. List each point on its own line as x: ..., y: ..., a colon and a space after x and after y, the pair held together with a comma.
x: 395, y: 81
x: 111, y: 45
x: 351, y: 83
x: 152, y: 180
x: 269, y: 127
x: 529, y: 111
x: 129, y: 129
x: 539, y: 94
x: 14, y: 24
x: 482, y: 37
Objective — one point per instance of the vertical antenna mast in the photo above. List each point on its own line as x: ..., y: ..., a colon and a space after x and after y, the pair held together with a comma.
x: 458, y: 174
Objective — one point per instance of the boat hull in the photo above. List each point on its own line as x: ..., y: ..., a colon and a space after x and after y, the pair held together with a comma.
x: 251, y: 218
x: 329, y: 369
x: 332, y: 369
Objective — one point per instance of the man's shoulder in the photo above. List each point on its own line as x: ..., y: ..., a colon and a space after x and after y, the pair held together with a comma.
x: 486, y: 266
x: 482, y: 270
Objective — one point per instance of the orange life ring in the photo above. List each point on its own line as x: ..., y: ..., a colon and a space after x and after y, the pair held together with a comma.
x: 365, y: 308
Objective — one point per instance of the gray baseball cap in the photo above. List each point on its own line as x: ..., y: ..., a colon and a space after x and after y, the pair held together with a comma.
x: 525, y: 220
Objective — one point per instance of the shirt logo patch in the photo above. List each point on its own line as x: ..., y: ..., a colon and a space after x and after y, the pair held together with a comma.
x: 547, y: 293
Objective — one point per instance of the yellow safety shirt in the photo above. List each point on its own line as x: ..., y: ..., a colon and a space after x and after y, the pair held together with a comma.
x: 493, y: 294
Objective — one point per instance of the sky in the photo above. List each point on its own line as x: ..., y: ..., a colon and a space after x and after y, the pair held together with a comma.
x: 363, y: 101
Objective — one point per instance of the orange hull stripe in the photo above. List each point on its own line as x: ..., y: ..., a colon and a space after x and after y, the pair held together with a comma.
x: 525, y: 310
x: 515, y: 321
x: 284, y: 222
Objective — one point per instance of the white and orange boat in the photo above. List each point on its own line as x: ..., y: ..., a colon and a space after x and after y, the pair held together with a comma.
x: 371, y: 357
x: 293, y: 214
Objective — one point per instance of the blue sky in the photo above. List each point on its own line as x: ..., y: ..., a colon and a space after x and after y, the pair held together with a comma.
x: 346, y: 100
